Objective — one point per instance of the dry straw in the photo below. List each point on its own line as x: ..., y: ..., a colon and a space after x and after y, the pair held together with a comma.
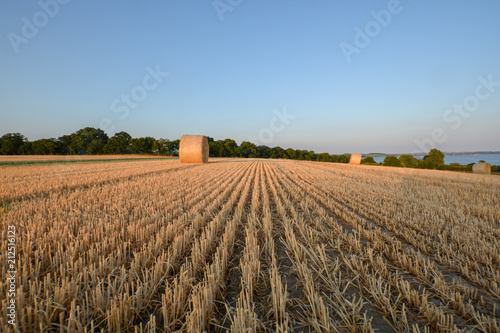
x: 193, y: 149
x: 481, y: 168
x: 355, y: 159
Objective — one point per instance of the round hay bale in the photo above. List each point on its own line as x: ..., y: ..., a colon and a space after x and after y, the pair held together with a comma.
x: 193, y: 149
x: 355, y: 159
x: 482, y: 168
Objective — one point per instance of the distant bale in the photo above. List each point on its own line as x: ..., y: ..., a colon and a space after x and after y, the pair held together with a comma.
x: 355, y: 159
x: 193, y: 149
x: 481, y: 168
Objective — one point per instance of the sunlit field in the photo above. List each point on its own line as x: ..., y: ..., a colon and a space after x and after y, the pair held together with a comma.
x: 249, y: 246
x: 19, y: 158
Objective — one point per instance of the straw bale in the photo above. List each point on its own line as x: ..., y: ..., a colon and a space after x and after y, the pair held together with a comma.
x: 481, y: 168
x: 193, y: 149
x: 355, y: 159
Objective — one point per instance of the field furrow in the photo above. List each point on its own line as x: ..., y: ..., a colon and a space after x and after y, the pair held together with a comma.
x: 32, y: 181
x: 417, y: 259
x: 92, y: 259
x: 249, y: 246
x: 456, y: 298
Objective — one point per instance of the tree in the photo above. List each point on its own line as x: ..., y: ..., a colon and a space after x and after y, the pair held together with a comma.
x: 231, y: 148
x: 149, y: 142
x: 392, y: 161
x: 175, y: 147
x: 368, y: 160
x: 44, y: 146
x: 264, y: 151
x: 135, y: 145
x: 160, y: 146
x: 25, y: 149
x: 291, y: 153
x: 409, y: 161
x: 164, y: 147
x: 224, y: 148
x: 311, y: 156
x: 142, y: 145
x: 215, y: 148
x: 89, y: 140
x: 344, y: 159
x: 323, y: 157
x: 118, y: 143
x: 11, y: 143
x: 247, y: 149
x: 433, y: 160
x: 64, y: 144
x: 278, y: 152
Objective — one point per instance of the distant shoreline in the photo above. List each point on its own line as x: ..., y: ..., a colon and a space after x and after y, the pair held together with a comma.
x: 446, y: 153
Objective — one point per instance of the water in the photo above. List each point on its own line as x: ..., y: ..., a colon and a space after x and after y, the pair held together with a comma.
x: 493, y: 159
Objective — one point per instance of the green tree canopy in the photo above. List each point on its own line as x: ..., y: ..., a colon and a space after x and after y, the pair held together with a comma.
x: 324, y: 157
x: 90, y: 140
x: 368, y: 160
x: 142, y: 145
x: 11, y: 143
x: 291, y: 153
x: 119, y: 143
x: 231, y: 148
x: 44, y: 146
x: 433, y: 160
x: 165, y: 147
x: 248, y: 149
x: 409, y: 161
x: 392, y: 161
x: 64, y: 144
x: 344, y: 159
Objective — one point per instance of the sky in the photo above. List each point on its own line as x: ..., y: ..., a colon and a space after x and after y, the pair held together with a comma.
x: 329, y: 76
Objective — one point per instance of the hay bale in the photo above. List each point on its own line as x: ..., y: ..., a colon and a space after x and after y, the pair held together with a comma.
x: 482, y: 168
x: 355, y: 159
x: 193, y: 149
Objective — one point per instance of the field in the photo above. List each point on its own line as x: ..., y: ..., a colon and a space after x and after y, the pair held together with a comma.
x: 249, y: 246
x: 20, y: 160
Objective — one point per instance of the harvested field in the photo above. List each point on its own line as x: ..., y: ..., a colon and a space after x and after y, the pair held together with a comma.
x: 22, y: 158
x: 251, y: 246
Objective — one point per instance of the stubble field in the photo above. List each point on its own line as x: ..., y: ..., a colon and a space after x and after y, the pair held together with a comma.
x: 250, y: 246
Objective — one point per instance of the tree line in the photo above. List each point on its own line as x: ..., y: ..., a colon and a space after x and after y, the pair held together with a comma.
x: 94, y: 141
x: 433, y: 160
x: 87, y: 141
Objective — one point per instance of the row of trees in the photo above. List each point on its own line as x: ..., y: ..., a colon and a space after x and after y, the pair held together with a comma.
x: 229, y: 148
x: 95, y: 141
x: 87, y: 141
x: 433, y: 160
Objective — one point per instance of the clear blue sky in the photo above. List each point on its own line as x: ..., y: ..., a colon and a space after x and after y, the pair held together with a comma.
x: 231, y: 68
